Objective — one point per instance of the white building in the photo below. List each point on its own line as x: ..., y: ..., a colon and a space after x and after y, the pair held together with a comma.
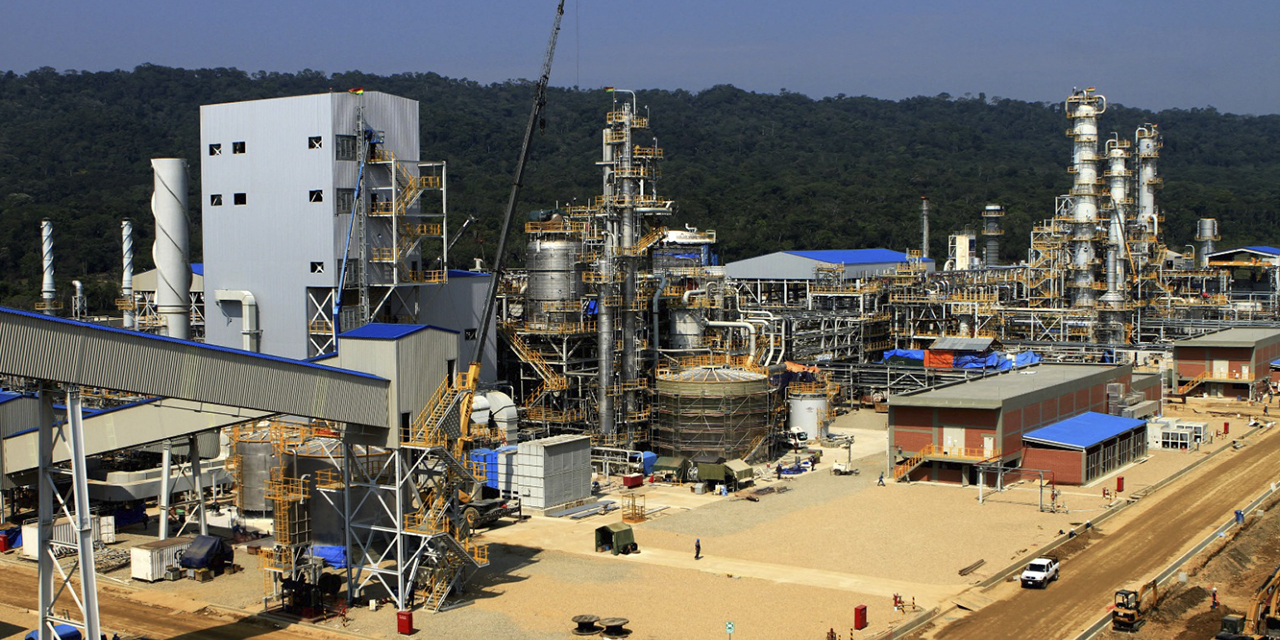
x: 279, y: 179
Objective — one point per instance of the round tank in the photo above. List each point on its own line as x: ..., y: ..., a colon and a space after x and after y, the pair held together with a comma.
x: 325, y: 508
x: 808, y: 413
x: 716, y: 411
x: 554, y: 277
x: 686, y: 329
x: 256, y: 460
x: 1206, y: 228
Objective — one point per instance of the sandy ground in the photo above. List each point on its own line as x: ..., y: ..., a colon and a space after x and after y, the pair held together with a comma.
x: 791, y: 565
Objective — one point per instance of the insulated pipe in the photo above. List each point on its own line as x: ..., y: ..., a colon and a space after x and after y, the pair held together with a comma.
x: 47, y: 290
x: 173, y: 283
x: 248, y: 315
x: 166, y: 487
x: 126, y: 280
x: 194, y: 450
x: 751, y: 333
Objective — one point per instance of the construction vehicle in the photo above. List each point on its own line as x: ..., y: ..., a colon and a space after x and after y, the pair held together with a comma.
x: 1132, y: 607
x: 1261, y: 621
x: 844, y: 469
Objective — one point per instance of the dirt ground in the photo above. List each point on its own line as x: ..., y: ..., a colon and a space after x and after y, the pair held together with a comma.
x: 792, y: 565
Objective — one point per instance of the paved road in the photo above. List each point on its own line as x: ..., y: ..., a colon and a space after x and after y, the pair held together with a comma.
x: 121, y: 612
x: 1168, y: 523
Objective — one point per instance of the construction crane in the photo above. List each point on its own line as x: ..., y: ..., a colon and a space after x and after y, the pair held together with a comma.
x: 1261, y: 618
x: 1132, y: 607
x: 535, y: 116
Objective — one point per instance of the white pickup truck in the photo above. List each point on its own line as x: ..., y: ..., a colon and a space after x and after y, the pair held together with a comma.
x: 1040, y: 572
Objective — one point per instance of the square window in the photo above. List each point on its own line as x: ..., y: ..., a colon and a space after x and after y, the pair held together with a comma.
x: 346, y: 200
x: 344, y: 147
x: 215, y: 149
x: 315, y: 142
x: 317, y: 267
x: 317, y: 195
x: 240, y: 198
x: 215, y: 200
x: 237, y: 147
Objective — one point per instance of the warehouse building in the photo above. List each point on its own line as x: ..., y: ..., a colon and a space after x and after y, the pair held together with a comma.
x: 800, y: 265
x: 942, y: 434
x: 1227, y: 363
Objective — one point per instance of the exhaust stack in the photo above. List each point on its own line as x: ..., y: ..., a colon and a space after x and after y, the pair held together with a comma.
x: 173, y: 285
x: 924, y: 227
x: 991, y: 217
x: 126, y: 280
x: 47, y: 291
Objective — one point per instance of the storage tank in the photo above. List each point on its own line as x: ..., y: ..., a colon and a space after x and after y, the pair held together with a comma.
x: 716, y: 410
x: 555, y: 280
x: 808, y: 413
x: 686, y: 329
x: 256, y: 459
x: 325, y: 508
x: 1206, y: 235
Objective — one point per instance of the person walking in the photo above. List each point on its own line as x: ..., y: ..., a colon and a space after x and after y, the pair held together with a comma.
x: 697, y: 549
x: 880, y: 482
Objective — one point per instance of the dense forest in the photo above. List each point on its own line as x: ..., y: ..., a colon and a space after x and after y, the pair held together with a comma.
x: 768, y: 172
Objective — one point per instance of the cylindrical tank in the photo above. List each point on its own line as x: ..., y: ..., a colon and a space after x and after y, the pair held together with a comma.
x: 555, y: 279
x: 717, y: 411
x: 325, y: 508
x: 686, y: 329
x: 256, y: 460
x: 808, y: 413
x: 1206, y: 234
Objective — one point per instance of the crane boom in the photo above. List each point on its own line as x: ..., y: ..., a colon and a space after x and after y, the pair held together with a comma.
x: 539, y: 101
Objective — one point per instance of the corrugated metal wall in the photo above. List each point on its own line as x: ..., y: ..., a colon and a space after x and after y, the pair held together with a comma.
x: 43, y: 349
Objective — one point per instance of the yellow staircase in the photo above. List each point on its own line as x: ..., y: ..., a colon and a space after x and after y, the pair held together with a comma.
x: 1193, y: 383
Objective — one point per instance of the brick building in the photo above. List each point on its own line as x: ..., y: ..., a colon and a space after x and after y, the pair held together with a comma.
x: 940, y: 434
x: 1226, y: 363
x: 1085, y: 447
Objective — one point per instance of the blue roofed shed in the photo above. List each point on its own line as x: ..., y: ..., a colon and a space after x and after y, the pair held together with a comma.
x: 1085, y: 447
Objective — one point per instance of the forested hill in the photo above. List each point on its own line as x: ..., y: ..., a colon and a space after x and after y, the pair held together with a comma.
x: 768, y: 172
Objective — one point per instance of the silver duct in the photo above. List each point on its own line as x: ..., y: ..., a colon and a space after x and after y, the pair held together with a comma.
x: 173, y: 282
x: 924, y: 227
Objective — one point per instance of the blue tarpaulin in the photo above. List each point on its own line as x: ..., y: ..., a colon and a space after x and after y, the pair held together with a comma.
x: 335, y: 557
x: 994, y: 360
x: 907, y: 354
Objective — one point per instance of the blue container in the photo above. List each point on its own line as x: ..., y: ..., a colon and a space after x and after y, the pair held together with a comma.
x: 647, y: 458
x: 488, y: 460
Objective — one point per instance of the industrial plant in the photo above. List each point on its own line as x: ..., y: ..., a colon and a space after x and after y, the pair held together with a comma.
x: 328, y: 396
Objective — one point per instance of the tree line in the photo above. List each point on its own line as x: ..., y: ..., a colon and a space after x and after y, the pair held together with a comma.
x: 768, y: 172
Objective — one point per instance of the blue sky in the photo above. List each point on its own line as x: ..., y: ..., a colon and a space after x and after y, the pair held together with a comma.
x: 1142, y: 53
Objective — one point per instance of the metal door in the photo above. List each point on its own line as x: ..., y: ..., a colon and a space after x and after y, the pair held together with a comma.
x: 988, y: 446
x: 1220, y: 368
x: 953, y: 439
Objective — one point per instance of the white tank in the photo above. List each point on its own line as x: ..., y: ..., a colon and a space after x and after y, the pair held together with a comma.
x: 808, y: 414
x: 686, y: 329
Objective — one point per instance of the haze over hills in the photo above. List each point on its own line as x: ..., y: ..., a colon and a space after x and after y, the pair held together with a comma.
x: 768, y: 172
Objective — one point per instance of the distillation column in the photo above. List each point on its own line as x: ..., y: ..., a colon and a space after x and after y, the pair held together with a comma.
x: 1118, y: 182
x: 626, y: 177
x: 1148, y: 142
x: 1084, y: 107
x: 1206, y: 235
x: 991, y: 217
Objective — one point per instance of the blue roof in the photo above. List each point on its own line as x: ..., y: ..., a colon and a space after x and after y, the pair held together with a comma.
x: 201, y: 345
x: 854, y: 256
x: 197, y: 268
x: 6, y: 396
x: 1083, y: 431
x: 459, y: 273
x: 1274, y: 363
x: 383, y: 331
x: 1271, y: 250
